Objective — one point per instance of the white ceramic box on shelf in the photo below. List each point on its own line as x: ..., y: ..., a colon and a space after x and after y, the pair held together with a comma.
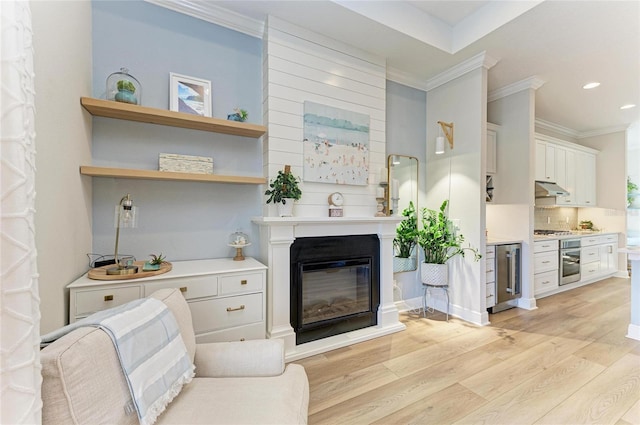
x: 227, y: 298
x: 545, y: 266
x: 491, y: 275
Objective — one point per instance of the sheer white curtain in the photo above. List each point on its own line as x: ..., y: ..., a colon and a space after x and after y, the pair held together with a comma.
x: 19, y: 301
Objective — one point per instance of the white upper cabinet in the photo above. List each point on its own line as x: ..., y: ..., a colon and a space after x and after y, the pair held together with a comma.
x: 492, y: 138
x: 571, y: 166
x: 545, y: 169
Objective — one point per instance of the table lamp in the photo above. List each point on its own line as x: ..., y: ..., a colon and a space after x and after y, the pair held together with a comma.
x: 125, y: 216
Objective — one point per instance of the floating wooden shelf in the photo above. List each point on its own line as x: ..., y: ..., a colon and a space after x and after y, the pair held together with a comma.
x: 127, y: 173
x: 126, y: 111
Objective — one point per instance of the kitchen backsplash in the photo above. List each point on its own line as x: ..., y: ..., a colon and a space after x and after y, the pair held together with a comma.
x: 556, y: 218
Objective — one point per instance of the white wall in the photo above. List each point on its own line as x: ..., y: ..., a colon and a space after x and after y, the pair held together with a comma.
x: 63, y: 142
x: 511, y: 215
x: 303, y: 66
x: 458, y: 175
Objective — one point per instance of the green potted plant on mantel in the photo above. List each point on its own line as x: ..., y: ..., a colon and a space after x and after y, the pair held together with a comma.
x: 439, y: 242
x: 283, y: 191
x: 406, y: 240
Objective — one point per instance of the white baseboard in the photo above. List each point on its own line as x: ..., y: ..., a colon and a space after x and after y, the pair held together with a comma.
x: 633, y: 332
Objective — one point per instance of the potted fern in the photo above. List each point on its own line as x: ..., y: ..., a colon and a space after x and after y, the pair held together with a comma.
x: 283, y: 191
x: 406, y: 240
x: 439, y: 242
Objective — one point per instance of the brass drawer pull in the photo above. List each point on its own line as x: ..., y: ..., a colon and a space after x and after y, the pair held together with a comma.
x: 183, y: 289
x: 236, y: 309
x: 108, y: 297
x: 243, y: 282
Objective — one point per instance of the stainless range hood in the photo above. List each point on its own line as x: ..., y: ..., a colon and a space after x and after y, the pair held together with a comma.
x: 549, y: 189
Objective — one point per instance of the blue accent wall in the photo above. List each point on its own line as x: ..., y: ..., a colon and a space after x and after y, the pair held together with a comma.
x: 183, y: 220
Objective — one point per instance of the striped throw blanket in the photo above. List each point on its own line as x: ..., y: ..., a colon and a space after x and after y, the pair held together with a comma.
x: 152, y: 354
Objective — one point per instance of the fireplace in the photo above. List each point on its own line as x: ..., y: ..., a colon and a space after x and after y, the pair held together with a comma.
x: 334, y: 285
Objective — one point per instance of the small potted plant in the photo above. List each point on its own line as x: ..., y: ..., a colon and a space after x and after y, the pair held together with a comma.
x: 586, y: 225
x: 406, y: 240
x: 439, y: 242
x: 126, y: 92
x: 240, y: 115
x: 155, y: 262
x: 632, y: 189
x: 283, y: 191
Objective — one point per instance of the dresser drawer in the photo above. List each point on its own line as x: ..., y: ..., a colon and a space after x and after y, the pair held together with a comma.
x: 545, y: 262
x: 239, y: 333
x: 589, y: 254
x: 544, y: 282
x: 250, y: 282
x: 544, y: 246
x: 191, y: 287
x: 91, y: 300
x: 221, y: 313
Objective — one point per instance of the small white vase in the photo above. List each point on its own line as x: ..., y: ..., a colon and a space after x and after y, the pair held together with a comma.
x: 286, y: 210
x: 434, y: 274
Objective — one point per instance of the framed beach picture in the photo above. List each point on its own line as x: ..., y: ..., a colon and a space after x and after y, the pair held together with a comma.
x: 189, y: 95
x: 336, y: 145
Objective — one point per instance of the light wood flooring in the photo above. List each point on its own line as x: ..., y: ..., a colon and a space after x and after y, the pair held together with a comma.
x: 568, y: 362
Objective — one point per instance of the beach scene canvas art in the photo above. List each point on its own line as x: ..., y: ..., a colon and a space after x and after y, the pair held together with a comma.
x: 336, y: 145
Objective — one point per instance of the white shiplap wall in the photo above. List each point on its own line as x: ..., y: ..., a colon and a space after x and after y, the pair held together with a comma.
x: 303, y: 66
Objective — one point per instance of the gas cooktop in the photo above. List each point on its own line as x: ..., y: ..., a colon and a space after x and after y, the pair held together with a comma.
x: 542, y: 232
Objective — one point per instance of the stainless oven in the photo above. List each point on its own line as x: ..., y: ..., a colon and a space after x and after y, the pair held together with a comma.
x: 569, y: 261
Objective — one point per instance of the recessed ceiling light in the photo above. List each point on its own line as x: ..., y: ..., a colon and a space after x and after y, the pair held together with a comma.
x: 629, y: 106
x: 592, y: 85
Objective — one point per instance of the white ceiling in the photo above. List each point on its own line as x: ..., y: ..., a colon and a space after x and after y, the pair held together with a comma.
x: 564, y: 43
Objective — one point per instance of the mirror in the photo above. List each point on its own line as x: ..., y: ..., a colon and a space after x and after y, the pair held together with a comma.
x: 402, y: 191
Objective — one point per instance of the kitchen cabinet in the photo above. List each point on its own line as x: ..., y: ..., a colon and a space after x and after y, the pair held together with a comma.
x: 598, y: 256
x: 492, y: 146
x: 585, y: 179
x: 490, y: 258
x: 227, y: 298
x: 574, y: 169
x: 545, y: 266
x: 545, y: 166
x: 125, y: 111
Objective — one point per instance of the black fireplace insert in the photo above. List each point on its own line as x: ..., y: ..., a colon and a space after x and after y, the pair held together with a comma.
x: 334, y: 285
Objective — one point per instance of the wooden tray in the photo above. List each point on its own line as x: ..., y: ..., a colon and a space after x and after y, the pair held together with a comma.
x: 100, y: 273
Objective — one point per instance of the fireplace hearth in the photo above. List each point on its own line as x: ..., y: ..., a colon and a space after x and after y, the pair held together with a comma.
x: 334, y: 285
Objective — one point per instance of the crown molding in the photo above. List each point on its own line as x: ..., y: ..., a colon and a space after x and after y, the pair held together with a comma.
x: 602, y: 131
x: 556, y: 128
x: 481, y: 60
x: 214, y: 14
x: 405, y: 78
x: 529, y: 83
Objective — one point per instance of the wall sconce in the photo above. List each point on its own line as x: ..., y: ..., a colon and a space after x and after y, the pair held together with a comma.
x: 447, y: 129
x: 125, y: 216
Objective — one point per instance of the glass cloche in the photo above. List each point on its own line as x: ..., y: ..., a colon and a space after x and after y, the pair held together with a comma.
x: 123, y: 87
x: 239, y: 240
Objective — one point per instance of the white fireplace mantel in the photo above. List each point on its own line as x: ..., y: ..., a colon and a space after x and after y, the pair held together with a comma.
x: 276, y: 236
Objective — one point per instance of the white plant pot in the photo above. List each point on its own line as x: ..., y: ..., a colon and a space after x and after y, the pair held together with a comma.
x: 434, y: 274
x: 404, y: 264
x: 286, y: 210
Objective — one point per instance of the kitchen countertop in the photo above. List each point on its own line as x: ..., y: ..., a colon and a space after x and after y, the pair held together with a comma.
x: 497, y: 241
x: 573, y: 235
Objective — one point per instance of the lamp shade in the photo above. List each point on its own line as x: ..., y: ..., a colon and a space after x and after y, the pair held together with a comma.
x: 439, y: 145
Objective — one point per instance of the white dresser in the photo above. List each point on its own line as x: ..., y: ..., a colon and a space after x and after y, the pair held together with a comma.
x: 227, y: 298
